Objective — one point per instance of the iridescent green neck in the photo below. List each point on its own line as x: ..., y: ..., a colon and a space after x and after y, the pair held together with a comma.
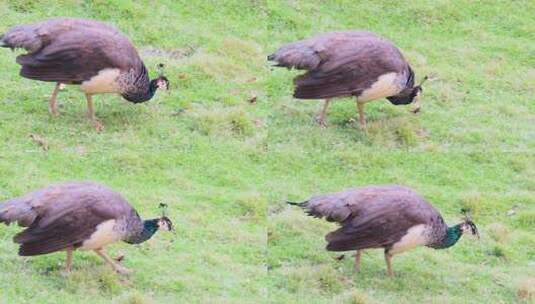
x: 149, y: 229
x: 453, y: 234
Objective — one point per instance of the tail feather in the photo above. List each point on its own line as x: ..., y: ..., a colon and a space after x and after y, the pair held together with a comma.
x: 299, y: 55
x: 22, y: 36
x: 308, y: 209
x: 301, y: 204
x: 16, y: 211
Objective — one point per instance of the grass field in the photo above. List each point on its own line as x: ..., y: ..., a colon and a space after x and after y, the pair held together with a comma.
x: 226, y: 165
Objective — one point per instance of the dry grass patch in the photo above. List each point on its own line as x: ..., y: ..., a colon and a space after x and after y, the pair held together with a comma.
x: 526, y: 289
x: 498, y: 231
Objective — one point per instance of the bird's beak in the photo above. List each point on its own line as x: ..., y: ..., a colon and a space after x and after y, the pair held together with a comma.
x: 417, y: 104
x: 477, y: 234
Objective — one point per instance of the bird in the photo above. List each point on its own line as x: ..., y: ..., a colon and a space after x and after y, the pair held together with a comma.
x: 92, y: 54
x: 392, y: 217
x: 77, y: 216
x: 349, y: 63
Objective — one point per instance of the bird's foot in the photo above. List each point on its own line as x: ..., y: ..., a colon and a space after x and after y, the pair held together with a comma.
x: 321, y: 121
x: 65, y: 272
x: 53, y: 111
x: 98, y: 125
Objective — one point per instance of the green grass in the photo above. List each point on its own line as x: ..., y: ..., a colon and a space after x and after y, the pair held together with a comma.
x: 225, y: 165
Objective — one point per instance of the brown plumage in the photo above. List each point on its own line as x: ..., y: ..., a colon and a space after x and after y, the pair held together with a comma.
x: 76, y: 215
x: 83, y: 52
x: 394, y: 218
x: 352, y: 63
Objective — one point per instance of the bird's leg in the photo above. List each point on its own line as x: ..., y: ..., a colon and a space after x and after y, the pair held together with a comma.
x: 91, y: 113
x: 120, y: 269
x: 357, y: 260
x: 68, y: 263
x: 52, y: 106
x: 66, y: 271
x: 388, y: 260
x: 320, y: 118
x: 90, y: 109
x: 362, y: 119
x: 119, y: 259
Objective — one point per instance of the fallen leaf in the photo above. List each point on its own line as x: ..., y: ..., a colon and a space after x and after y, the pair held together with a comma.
x: 252, y: 99
x: 40, y: 141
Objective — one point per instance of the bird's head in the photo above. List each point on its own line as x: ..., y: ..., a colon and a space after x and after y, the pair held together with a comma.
x: 164, y: 223
x: 468, y: 226
x: 409, y: 95
x: 161, y: 82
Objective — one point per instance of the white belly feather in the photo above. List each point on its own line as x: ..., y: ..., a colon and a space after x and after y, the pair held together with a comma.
x: 386, y: 85
x: 105, y: 234
x: 415, y: 237
x: 104, y: 82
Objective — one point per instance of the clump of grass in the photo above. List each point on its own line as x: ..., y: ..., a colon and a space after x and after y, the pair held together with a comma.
x: 22, y: 6
x: 221, y: 121
x: 473, y: 202
x: 500, y: 251
x: 241, y: 123
x: 323, y: 278
x: 238, y: 49
x: 135, y: 297
x: 253, y: 205
x: 393, y: 132
x: 518, y: 164
x: 447, y: 93
x: 330, y: 281
x: 79, y: 277
x: 219, y: 68
x: 498, y: 231
x: 359, y: 297
x: 526, y: 289
x: 526, y: 218
x: 108, y: 281
x: 405, y: 135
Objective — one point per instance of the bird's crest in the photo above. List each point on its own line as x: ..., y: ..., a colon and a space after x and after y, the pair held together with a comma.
x: 160, y: 67
x: 163, y: 209
x: 423, y: 80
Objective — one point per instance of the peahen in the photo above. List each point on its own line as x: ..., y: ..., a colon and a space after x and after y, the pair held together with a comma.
x: 77, y: 215
x: 394, y: 218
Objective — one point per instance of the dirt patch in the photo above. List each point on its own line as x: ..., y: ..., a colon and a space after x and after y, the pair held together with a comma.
x: 176, y: 54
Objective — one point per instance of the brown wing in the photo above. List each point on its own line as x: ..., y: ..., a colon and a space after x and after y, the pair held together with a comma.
x: 69, y: 230
x: 349, y: 67
x: 77, y: 55
x: 65, y: 215
x: 308, y: 54
x: 380, y: 228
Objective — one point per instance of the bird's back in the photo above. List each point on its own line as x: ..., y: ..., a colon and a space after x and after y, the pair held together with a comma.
x: 343, y: 64
x: 34, y: 36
